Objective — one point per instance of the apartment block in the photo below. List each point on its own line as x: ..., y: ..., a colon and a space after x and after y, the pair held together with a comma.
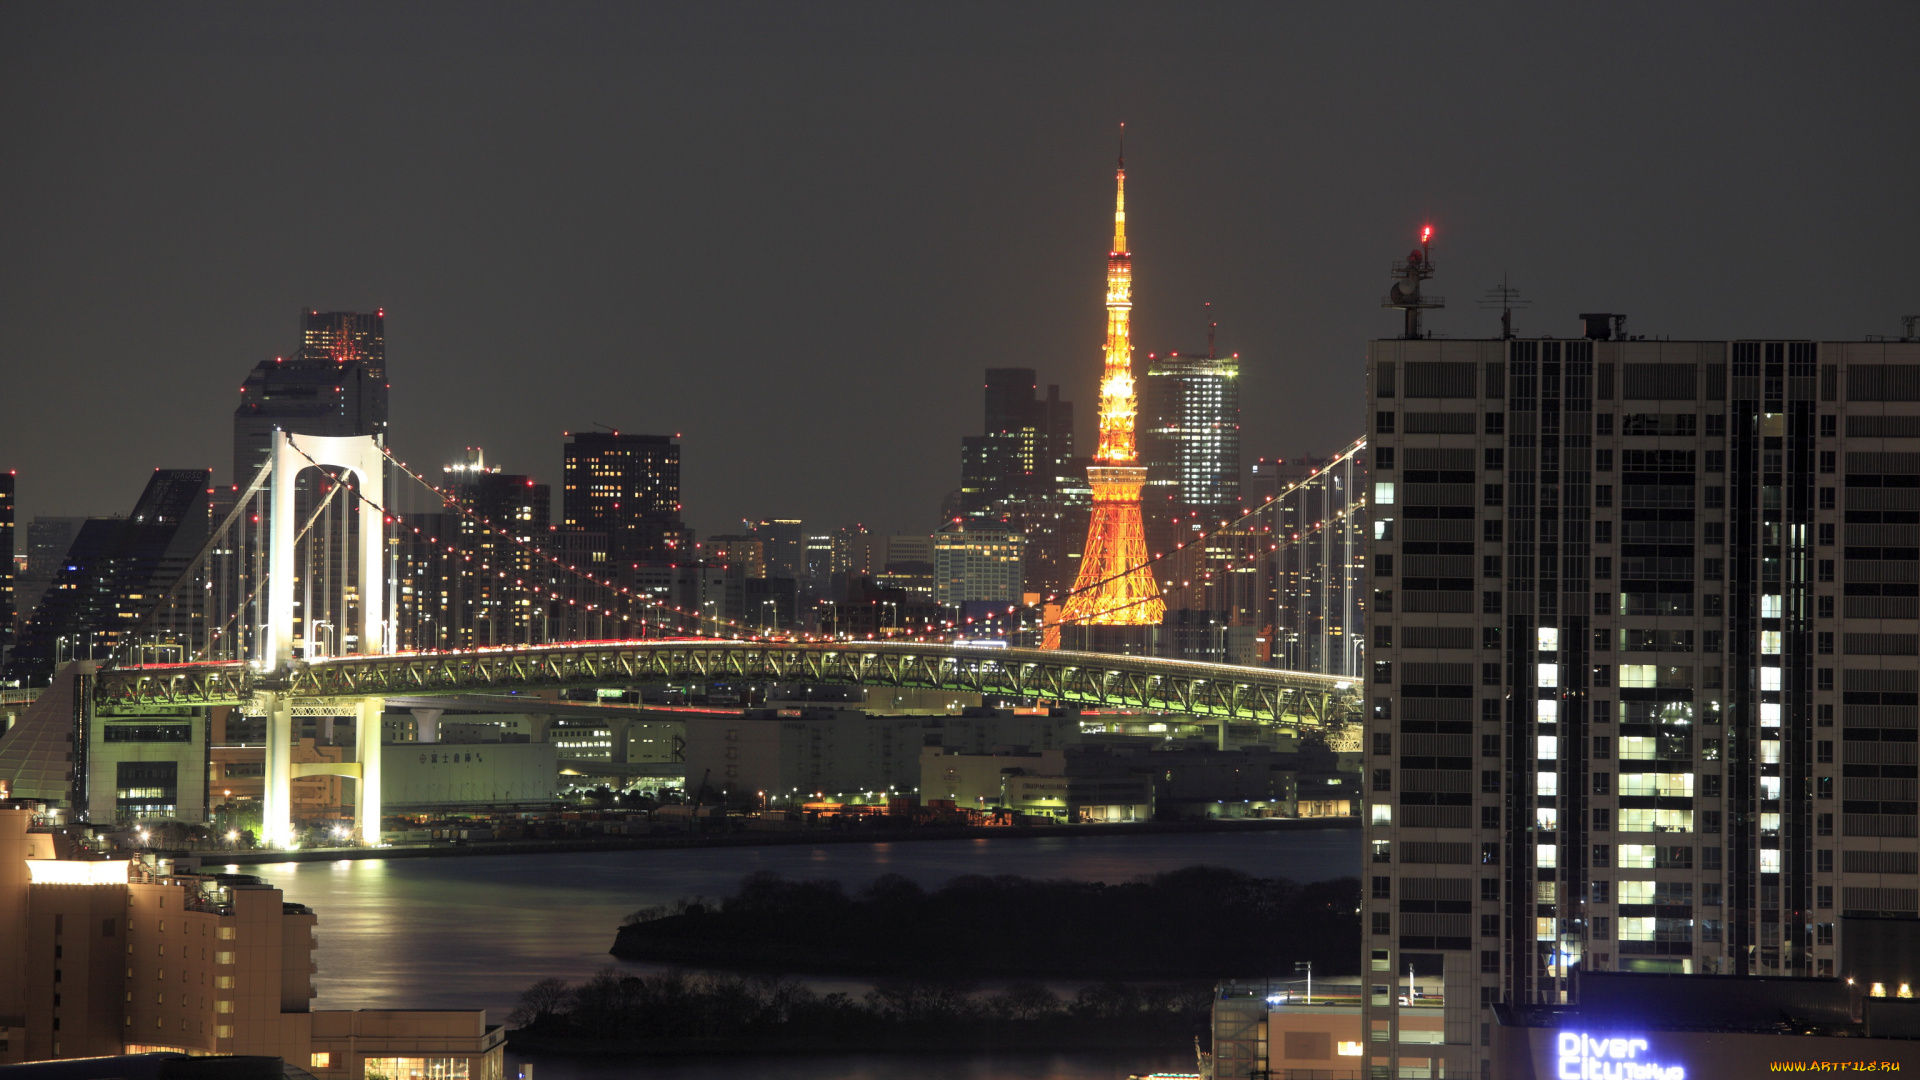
x: 1645, y: 675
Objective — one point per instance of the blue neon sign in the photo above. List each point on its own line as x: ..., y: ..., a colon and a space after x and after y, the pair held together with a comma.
x: 1584, y: 1057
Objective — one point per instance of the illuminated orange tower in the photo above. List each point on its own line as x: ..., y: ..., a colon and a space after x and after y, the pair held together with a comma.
x: 1115, y: 587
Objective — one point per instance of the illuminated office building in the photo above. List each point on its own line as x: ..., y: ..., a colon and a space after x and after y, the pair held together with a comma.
x: 334, y: 384
x: 977, y: 562
x: 1644, y: 680
x: 502, y: 577
x: 1312, y: 614
x: 1190, y: 431
x: 1022, y: 472
x: 627, y: 487
x: 784, y: 543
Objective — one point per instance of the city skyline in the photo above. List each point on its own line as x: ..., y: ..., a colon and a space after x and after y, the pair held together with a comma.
x: 491, y: 272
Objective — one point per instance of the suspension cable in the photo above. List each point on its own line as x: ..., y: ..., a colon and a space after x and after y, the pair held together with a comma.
x: 1352, y: 448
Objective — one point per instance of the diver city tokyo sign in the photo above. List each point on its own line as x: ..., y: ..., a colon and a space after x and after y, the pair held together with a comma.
x: 1585, y: 1057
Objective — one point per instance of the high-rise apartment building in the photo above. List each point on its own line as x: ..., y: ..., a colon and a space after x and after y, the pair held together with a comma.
x: 335, y: 384
x: 1645, y: 665
x: 628, y: 487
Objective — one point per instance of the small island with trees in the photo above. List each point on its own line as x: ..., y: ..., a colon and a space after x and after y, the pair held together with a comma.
x: 1183, y: 930
x: 1199, y: 922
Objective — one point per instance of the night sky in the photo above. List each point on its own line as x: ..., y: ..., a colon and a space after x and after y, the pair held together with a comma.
x: 797, y: 233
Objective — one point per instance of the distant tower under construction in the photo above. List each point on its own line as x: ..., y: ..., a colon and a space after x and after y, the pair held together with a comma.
x: 1115, y: 587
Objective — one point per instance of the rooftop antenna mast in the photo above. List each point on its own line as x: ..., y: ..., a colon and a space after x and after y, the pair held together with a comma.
x: 1504, y: 298
x: 1910, y: 325
x: 1213, y: 326
x: 1407, y: 275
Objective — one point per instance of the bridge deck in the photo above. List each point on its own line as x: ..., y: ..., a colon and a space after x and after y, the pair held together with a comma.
x: 1069, y: 678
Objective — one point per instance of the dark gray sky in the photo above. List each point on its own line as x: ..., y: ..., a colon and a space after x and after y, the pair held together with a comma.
x: 796, y: 233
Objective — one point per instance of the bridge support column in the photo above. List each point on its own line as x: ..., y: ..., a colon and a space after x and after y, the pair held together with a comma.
x: 366, y: 733
x: 276, y: 802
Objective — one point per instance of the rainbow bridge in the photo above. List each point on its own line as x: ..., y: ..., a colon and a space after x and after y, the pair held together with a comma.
x: 1087, y: 680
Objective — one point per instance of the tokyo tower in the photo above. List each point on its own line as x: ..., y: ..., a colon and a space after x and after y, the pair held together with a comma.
x: 1115, y: 587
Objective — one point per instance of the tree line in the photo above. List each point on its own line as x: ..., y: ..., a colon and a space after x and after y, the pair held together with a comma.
x: 766, y: 1010
x: 1199, y: 922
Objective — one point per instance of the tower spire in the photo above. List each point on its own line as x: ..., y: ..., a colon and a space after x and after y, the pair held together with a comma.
x: 1115, y: 586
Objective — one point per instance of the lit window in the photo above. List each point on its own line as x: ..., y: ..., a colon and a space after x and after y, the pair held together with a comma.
x: 1549, y: 675
x: 1637, y: 676
x: 1549, y: 639
x: 1636, y: 856
x: 1549, y: 748
x: 1770, y: 642
x: 1546, y: 856
x: 1547, y: 783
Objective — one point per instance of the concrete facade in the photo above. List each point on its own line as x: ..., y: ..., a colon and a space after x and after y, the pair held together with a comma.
x: 467, y: 774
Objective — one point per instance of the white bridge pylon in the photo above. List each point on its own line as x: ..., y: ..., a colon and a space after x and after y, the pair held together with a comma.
x: 361, y: 456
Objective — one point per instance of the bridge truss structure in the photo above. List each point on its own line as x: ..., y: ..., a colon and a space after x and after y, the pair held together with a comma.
x: 1086, y: 680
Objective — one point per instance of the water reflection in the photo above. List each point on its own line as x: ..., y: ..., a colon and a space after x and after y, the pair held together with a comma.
x: 1077, y: 1066
x: 472, y: 932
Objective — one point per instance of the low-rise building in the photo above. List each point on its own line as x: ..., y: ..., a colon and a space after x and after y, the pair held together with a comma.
x: 807, y: 753
x: 101, y: 957
x: 405, y: 1044
x: 1072, y: 784
x: 433, y: 775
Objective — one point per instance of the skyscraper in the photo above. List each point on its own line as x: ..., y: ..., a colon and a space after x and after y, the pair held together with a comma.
x: 1316, y: 529
x: 628, y: 487
x: 1644, y: 673
x: 117, y: 572
x: 335, y: 384
x: 1019, y: 472
x: 785, y: 541
x: 1190, y: 431
x: 1115, y: 586
x: 1027, y: 444
x: 503, y: 580
x: 7, y: 592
